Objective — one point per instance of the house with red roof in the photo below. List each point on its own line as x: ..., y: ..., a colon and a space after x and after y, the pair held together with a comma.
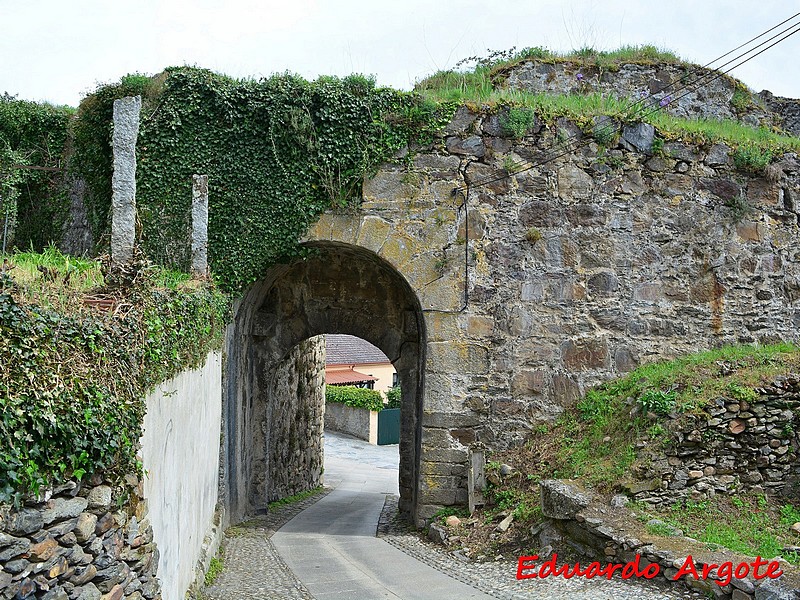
x: 349, y: 360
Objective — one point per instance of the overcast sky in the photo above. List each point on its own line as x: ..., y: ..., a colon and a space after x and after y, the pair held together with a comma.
x: 59, y: 50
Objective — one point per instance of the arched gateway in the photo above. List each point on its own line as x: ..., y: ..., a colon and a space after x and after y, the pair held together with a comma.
x: 339, y: 288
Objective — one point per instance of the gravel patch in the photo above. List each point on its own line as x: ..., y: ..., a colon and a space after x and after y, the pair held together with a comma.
x: 253, y: 569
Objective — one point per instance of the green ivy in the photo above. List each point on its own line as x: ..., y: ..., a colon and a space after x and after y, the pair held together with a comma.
x: 354, y: 396
x: 33, y: 134
x: 72, y: 386
x: 278, y: 152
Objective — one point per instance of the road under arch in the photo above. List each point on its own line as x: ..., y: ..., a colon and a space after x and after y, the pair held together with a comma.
x: 339, y: 288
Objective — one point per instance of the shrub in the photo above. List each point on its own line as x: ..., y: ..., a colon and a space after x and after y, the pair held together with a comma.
x: 395, y: 397
x: 354, y: 397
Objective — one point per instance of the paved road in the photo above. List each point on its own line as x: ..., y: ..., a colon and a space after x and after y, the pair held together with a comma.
x: 331, y: 547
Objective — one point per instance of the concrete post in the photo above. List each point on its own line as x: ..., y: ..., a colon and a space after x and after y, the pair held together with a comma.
x: 123, y: 181
x: 199, y: 225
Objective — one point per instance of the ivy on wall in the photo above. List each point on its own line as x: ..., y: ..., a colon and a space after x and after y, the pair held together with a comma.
x: 32, y: 134
x: 278, y: 152
x: 72, y: 385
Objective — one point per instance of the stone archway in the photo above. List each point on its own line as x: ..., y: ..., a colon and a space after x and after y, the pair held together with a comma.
x: 340, y: 288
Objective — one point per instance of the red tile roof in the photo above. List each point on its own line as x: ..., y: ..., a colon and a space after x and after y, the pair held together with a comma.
x: 342, y: 349
x: 345, y: 377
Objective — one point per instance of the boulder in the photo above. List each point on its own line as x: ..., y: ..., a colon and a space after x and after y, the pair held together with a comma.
x: 437, y: 534
x: 561, y: 499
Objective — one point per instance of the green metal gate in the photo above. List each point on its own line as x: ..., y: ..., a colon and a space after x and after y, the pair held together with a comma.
x: 389, y: 426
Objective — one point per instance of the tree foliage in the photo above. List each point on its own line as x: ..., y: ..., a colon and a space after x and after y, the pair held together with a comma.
x: 33, y: 134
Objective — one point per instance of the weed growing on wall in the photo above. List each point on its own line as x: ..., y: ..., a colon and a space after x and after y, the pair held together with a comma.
x: 518, y: 121
x: 752, y: 158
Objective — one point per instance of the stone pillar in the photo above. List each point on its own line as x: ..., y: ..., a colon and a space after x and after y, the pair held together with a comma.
x: 476, y: 478
x: 200, y: 225
x: 123, y: 181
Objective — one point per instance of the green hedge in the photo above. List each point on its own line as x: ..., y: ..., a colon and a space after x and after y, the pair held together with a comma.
x: 354, y: 396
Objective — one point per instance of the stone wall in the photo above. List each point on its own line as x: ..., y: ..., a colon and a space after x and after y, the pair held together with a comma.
x: 735, y: 445
x: 787, y: 110
x: 74, y: 542
x: 358, y: 422
x: 294, y: 421
x: 578, y: 526
x: 692, y: 91
x: 578, y: 270
x: 180, y: 455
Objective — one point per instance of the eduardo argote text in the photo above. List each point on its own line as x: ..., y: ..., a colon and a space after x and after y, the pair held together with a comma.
x: 527, y: 568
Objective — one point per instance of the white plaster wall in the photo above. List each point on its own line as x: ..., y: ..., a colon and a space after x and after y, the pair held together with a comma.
x: 180, y: 454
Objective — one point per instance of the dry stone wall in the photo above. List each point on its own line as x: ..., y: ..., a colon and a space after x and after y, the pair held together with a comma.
x: 688, y: 91
x: 578, y: 524
x: 735, y: 445
x: 92, y: 541
x: 75, y: 543
x: 787, y: 109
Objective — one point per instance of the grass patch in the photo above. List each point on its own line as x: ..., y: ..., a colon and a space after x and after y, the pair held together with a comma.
x: 51, y: 278
x: 748, y: 524
x: 487, y: 72
x: 295, y: 498
x: 59, y: 281
x: 215, y: 567
x: 596, y: 441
